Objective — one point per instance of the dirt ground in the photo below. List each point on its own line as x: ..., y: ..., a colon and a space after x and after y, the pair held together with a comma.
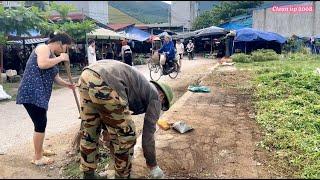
x: 15, y: 162
x: 224, y: 141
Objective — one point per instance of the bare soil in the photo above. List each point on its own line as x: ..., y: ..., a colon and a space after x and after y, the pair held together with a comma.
x: 224, y: 142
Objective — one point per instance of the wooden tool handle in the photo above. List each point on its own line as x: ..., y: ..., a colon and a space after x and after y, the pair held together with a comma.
x: 67, y: 67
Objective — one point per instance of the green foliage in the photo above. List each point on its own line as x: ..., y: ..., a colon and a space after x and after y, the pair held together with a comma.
x: 3, y: 39
x: 259, y: 55
x: 21, y: 19
x: 204, y: 20
x: 287, y: 98
x: 76, y: 30
x: 224, y: 12
x: 264, y: 55
x: 139, y: 60
x: 62, y: 9
x: 241, y: 57
x: 301, y: 57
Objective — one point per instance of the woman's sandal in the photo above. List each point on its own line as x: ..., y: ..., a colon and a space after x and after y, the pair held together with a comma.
x: 43, y: 161
x: 48, y: 153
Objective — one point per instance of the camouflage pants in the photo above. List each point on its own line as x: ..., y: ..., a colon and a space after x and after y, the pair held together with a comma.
x: 101, y: 106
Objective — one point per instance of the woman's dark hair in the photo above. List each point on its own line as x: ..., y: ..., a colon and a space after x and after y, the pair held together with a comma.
x: 63, y: 37
x: 91, y: 41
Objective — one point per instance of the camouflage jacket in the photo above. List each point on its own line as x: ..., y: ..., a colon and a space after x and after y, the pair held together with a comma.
x: 140, y: 95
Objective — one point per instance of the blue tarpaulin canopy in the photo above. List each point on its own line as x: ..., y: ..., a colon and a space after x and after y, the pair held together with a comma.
x: 249, y: 35
x: 136, y: 34
x: 318, y: 36
x: 238, y: 23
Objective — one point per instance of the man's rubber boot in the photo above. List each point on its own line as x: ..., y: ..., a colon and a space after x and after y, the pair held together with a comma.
x: 91, y: 175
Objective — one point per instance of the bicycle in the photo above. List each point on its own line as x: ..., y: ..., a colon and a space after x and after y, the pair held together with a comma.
x: 156, y: 70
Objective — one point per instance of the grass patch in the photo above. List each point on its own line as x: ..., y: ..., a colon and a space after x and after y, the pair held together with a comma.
x: 71, y: 170
x: 286, y: 99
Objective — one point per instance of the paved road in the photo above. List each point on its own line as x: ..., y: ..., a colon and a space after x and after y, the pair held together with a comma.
x: 16, y: 126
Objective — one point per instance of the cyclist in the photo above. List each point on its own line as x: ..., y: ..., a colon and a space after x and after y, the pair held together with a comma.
x: 169, y: 51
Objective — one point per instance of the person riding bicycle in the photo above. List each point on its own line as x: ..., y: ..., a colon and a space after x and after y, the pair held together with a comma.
x: 169, y: 51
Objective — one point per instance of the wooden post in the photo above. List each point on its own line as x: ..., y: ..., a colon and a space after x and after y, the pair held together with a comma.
x: 245, y: 47
x: 211, y: 45
x: 24, y: 46
x: 76, y: 140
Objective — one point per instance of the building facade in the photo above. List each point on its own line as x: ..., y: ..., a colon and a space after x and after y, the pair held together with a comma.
x: 97, y: 10
x: 183, y: 13
x: 282, y: 20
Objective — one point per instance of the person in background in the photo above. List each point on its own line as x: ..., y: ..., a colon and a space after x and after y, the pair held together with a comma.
x: 109, y: 52
x: 92, y: 58
x: 126, y: 53
x: 190, y: 49
x: 180, y: 51
x: 36, y: 86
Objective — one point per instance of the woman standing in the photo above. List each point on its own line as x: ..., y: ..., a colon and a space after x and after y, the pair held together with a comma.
x: 180, y: 51
x: 36, y: 87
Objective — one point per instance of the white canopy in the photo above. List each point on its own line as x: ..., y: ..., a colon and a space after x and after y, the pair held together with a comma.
x: 103, y: 33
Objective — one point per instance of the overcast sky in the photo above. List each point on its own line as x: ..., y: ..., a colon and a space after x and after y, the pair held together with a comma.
x: 169, y: 2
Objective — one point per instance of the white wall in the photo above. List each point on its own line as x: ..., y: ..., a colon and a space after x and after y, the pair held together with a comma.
x: 302, y: 24
x: 183, y: 13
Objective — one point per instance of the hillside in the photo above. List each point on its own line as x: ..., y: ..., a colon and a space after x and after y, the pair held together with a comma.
x: 144, y: 11
x: 117, y: 16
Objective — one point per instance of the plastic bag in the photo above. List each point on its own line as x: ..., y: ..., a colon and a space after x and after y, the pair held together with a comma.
x: 199, y: 89
x: 181, y: 127
x: 3, y: 94
x: 163, y: 59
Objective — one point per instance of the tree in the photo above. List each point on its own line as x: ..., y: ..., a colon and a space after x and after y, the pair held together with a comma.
x: 203, y: 21
x: 76, y: 30
x: 224, y: 12
x: 19, y: 20
x: 63, y: 10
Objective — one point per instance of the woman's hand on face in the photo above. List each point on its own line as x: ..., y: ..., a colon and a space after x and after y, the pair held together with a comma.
x: 64, y: 57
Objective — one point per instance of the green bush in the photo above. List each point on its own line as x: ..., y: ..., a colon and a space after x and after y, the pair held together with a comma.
x: 301, y: 57
x: 305, y: 50
x: 241, y: 57
x: 262, y: 55
x: 139, y: 60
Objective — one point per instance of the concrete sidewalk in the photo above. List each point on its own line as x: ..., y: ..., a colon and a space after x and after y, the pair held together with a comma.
x: 222, y: 144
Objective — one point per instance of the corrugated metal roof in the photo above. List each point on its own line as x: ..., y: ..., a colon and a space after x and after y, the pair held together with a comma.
x: 119, y: 26
x: 73, y: 16
x: 29, y: 41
